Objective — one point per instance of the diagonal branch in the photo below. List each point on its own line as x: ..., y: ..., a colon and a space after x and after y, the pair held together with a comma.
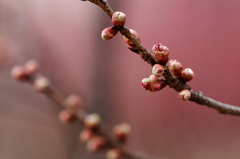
x: 172, y: 81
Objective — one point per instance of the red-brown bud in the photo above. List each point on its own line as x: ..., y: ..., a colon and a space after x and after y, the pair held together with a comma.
x: 96, y: 143
x: 184, y: 94
x: 157, y: 70
x: 122, y: 131
x: 41, y: 84
x: 161, y: 53
x: 114, y: 154
x: 187, y: 74
x: 109, y: 33
x: 118, y: 19
x: 92, y: 121
x: 19, y: 73
x: 85, y: 135
x: 74, y: 101
x: 66, y: 117
x: 31, y: 67
x: 135, y: 34
x: 176, y: 68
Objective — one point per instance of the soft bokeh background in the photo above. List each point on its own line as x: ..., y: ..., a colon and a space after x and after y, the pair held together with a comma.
x: 64, y: 36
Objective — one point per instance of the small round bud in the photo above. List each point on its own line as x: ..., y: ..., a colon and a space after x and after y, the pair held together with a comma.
x: 66, y: 117
x: 187, y: 74
x: 74, y: 101
x: 153, y: 83
x: 92, y: 121
x: 176, y: 68
x: 122, y: 131
x: 96, y: 143
x: 118, y: 19
x: 19, y: 73
x: 31, y: 67
x: 157, y: 70
x: 114, y: 154
x: 135, y: 34
x: 41, y: 84
x: 184, y: 94
x: 146, y: 83
x: 109, y: 33
x: 85, y: 135
x: 161, y: 53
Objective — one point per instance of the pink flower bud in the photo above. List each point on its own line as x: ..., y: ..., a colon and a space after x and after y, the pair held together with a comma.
x: 118, y: 19
x: 176, y: 68
x: 114, y: 154
x: 74, y: 101
x: 31, y: 67
x: 41, y: 84
x: 146, y: 83
x: 122, y: 131
x: 187, y: 74
x: 19, y: 73
x: 109, y: 33
x: 135, y: 34
x: 85, y: 135
x: 92, y: 121
x: 161, y: 53
x: 157, y: 70
x: 153, y: 83
x: 184, y: 94
x: 66, y: 117
x: 96, y: 143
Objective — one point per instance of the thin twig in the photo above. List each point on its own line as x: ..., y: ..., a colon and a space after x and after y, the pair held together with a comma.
x: 173, y: 82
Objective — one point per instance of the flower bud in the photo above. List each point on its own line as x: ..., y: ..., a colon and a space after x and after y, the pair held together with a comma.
x: 114, y: 154
x: 74, y: 101
x: 92, y: 121
x: 135, y: 34
x: 161, y: 53
x: 109, y: 33
x: 31, y: 67
x: 41, y: 84
x: 96, y: 143
x: 153, y: 83
x: 85, y: 135
x: 118, y: 19
x: 187, y: 74
x: 184, y: 94
x: 176, y: 68
x: 19, y: 73
x: 122, y: 131
x: 146, y: 83
x: 66, y: 117
x: 157, y: 70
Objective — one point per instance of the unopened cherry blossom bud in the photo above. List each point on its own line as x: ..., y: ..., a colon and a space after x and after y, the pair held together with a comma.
x: 74, y: 101
x: 176, y: 68
x: 66, y: 117
x: 114, y: 154
x: 184, y: 94
x: 19, y: 73
x: 85, y: 135
x: 135, y: 34
x: 31, y: 67
x: 122, y: 131
x: 109, y: 33
x: 187, y: 74
x: 118, y: 19
x: 96, y: 143
x: 41, y: 84
x: 161, y: 53
x: 157, y: 70
x: 92, y: 121
x: 146, y: 83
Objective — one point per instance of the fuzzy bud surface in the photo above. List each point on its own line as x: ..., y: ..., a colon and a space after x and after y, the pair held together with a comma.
x: 187, y: 74
x: 118, y: 19
x: 161, y: 53
x: 109, y: 33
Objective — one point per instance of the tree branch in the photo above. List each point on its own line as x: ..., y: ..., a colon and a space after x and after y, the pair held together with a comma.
x: 172, y: 81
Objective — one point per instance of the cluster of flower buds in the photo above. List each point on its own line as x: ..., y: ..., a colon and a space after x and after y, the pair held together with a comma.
x: 118, y: 21
x: 185, y: 75
x: 155, y: 82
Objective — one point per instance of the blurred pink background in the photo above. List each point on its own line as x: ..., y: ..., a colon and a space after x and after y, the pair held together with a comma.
x: 64, y: 36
